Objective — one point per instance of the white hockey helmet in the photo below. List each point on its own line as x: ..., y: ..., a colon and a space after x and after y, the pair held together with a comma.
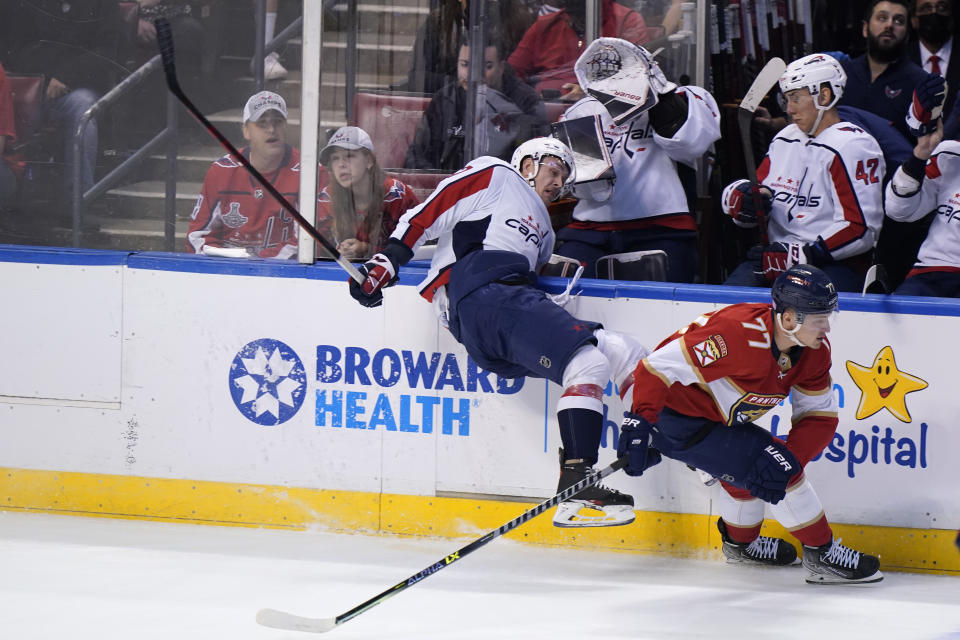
x: 810, y: 72
x: 538, y: 148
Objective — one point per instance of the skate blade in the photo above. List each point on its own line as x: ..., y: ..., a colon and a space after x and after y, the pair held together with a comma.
x: 817, y: 578
x: 571, y: 515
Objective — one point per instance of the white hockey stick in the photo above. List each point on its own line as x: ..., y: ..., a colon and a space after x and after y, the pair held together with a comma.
x: 291, y: 622
x: 765, y: 80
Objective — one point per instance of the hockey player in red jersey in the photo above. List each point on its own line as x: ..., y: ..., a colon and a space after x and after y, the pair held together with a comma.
x: 235, y: 216
x: 821, y: 186
x: 696, y: 398
x: 494, y: 233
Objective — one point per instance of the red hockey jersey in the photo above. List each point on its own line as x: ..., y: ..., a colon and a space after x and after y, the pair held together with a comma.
x: 233, y: 210
x: 397, y: 198
x: 722, y: 367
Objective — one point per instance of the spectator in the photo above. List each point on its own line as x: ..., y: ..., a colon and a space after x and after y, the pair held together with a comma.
x: 9, y: 167
x: 359, y: 208
x: 188, y: 37
x: 647, y: 207
x: 545, y: 56
x: 272, y: 68
x: 508, y: 113
x: 821, y: 193
x: 75, y: 50
x: 493, y: 234
x: 932, y: 20
x: 434, y: 61
x: 882, y: 79
x: 234, y: 216
x: 930, y: 180
x: 698, y: 396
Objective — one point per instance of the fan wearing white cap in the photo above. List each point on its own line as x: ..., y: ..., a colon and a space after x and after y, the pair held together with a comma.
x: 360, y: 206
x: 821, y: 186
x: 234, y: 216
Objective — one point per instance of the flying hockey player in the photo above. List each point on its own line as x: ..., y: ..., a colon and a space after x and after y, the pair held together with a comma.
x: 651, y: 146
x: 821, y: 193
x: 494, y: 234
x: 696, y: 399
x: 928, y: 181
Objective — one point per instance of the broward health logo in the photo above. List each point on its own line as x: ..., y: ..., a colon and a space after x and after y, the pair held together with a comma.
x: 267, y: 382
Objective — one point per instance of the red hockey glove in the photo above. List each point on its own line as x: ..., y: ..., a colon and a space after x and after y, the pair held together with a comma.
x: 379, y: 272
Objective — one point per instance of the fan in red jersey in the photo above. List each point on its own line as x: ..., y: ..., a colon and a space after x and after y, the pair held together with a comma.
x: 234, y: 216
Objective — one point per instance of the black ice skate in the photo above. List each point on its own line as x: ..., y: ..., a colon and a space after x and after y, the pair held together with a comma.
x: 764, y: 550
x: 834, y: 563
x: 596, y: 506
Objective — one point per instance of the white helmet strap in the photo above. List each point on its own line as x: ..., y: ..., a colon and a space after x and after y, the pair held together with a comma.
x: 791, y: 334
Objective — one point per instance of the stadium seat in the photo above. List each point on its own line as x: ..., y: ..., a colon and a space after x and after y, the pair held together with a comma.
x: 555, y: 110
x: 422, y: 182
x: 391, y: 120
x: 560, y: 266
x: 27, y: 93
x: 634, y: 265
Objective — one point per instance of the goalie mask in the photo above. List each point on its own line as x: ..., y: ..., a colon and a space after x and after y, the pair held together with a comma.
x: 539, y: 148
x: 812, y: 296
x: 622, y: 76
x: 810, y: 72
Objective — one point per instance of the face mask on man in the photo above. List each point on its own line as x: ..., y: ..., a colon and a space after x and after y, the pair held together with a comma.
x: 935, y: 28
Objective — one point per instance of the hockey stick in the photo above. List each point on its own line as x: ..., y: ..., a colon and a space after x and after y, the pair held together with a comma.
x: 165, y: 41
x: 764, y: 81
x: 290, y: 622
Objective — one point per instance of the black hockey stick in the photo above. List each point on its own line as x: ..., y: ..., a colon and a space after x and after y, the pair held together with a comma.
x: 765, y: 80
x: 165, y: 41
x: 290, y: 622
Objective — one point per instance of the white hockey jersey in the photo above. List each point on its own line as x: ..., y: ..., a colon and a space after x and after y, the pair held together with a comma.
x: 940, y: 190
x: 829, y: 186
x: 485, y: 205
x: 647, y: 184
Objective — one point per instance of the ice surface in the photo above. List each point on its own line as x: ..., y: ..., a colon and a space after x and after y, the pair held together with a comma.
x: 79, y: 578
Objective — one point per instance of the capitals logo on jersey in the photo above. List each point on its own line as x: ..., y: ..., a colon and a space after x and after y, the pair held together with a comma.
x: 396, y: 191
x: 710, y: 350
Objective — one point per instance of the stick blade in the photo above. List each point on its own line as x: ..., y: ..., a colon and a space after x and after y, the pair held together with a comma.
x: 289, y: 622
x: 768, y: 76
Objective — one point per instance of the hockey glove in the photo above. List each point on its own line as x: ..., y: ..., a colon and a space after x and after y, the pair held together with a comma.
x: 740, y: 204
x: 780, y: 256
x: 379, y: 272
x: 634, y: 443
x: 927, y: 105
x: 771, y: 472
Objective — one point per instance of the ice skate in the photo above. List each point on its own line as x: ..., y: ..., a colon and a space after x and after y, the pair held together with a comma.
x: 834, y: 563
x: 596, y: 506
x: 764, y: 550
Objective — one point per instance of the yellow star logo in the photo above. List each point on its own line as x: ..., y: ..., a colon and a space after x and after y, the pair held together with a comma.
x: 883, y: 386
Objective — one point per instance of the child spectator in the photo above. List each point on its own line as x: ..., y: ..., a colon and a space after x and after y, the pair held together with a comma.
x: 359, y: 208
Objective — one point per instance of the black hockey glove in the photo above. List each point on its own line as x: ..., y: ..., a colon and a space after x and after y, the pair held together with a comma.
x: 771, y: 472
x: 635, y: 444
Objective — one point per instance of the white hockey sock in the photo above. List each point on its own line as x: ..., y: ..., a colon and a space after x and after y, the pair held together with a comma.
x: 740, y: 513
x: 801, y: 507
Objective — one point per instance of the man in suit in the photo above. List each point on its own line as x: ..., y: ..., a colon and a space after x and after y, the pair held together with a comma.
x: 932, y: 20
